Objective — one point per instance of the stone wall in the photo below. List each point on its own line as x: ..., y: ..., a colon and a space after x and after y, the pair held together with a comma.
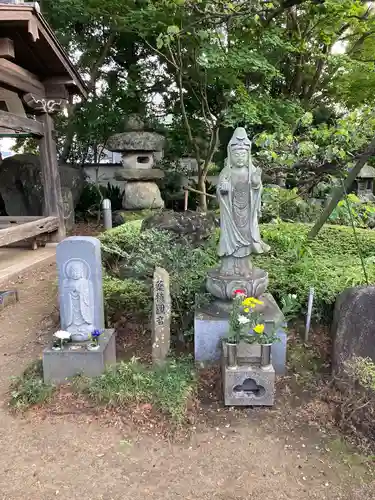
x: 104, y: 173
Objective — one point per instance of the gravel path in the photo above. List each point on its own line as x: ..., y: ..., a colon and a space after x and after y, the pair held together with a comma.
x: 70, y: 457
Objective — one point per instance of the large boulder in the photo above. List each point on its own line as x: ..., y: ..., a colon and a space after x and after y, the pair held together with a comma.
x: 21, y: 185
x: 353, y: 327
x: 192, y: 226
x: 142, y: 195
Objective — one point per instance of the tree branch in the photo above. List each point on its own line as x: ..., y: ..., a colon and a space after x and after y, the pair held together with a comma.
x: 94, y: 73
x: 339, y: 192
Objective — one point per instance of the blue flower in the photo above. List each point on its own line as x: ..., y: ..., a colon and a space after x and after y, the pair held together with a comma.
x: 96, y: 333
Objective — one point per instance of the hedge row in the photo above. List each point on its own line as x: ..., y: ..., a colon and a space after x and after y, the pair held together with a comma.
x: 330, y: 263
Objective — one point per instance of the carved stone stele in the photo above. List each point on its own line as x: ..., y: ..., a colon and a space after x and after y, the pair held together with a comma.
x: 80, y: 286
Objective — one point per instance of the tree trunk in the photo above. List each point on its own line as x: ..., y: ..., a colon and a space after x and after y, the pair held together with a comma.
x: 339, y: 191
x: 202, y: 188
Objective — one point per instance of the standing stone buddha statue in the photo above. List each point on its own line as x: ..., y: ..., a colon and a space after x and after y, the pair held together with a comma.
x: 239, y: 193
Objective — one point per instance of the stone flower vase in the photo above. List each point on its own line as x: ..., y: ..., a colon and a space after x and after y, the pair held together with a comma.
x: 265, y: 354
x: 231, y: 348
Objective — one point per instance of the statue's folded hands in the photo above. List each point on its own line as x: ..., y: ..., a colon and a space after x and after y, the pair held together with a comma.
x: 224, y: 187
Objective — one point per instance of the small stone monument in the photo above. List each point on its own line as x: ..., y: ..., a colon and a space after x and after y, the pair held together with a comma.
x: 161, y: 317
x: 139, y: 150
x: 81, y: 312
x: 239, y: 192
x: 79, y: 266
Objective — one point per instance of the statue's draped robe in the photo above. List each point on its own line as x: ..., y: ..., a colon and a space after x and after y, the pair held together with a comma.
x: 77, y: 304
x: 239, y: 212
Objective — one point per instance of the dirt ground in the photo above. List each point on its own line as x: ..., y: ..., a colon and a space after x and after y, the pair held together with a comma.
x: 260, y: 455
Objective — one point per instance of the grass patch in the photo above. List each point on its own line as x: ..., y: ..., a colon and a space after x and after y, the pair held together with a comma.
x: 29, y: 389
x: 349, y: 455
x: 305, y: 362
x: 168, y: 389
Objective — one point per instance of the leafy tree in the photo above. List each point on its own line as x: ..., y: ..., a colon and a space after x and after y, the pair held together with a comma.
x: 217, y: 64
x: 314, y: 151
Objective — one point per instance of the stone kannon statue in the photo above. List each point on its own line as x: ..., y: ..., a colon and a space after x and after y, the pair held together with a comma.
x: 239, y: 193
x: 77, y: 300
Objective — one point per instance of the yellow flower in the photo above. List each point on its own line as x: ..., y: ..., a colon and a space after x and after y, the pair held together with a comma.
x: 252, y: 302
x: 259, y: 329
x: 246, y: 310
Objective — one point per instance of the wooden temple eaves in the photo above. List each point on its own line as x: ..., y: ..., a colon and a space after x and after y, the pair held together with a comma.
x: 36, y: 47
x: 36, y: 80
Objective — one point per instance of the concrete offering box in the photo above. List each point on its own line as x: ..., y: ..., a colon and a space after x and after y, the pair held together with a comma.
x: 76, y: 359
x: 249, y: 381
x: 248, y: 385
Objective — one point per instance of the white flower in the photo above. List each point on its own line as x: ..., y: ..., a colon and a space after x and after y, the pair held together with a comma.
x: 243, y: 320
x: 62, y: 335
x: 294, y: 296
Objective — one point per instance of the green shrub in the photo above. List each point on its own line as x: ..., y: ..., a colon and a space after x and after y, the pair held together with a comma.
x: 92, y: 196
x: 115, y: 240
x: 329, y: 263
x: 128, y: 295
x: 133, y: 255
x: 29, y: 389
x: 168, y: 388
x: 287, y: 205
x: 362, y: 370
x: 362, y: 214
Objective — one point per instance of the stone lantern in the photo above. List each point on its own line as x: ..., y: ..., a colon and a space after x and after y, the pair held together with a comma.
x: 365, y: 183
x: 140, y: 150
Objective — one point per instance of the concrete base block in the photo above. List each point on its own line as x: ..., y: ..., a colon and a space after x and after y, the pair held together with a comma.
x: 8, y: 297
x: 211, y: 325
x: 249, y: 385
x: 76, y: 359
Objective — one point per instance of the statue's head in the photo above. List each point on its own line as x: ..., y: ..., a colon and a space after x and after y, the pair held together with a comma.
x: 76, y: 269
x: 239, y: 149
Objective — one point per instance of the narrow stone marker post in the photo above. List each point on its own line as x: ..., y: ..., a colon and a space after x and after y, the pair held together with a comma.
x: 107, y: 214
x: 161, y: 317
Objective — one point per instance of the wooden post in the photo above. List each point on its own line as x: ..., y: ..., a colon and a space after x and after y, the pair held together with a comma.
x: 186, y: 200
x: 53, y: 201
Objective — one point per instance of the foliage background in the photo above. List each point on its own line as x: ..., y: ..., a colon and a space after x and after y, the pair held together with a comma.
x: 330, y: 263
x: 298, y: 74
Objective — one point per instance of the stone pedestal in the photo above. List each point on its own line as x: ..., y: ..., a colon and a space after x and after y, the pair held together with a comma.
x: 223, y: 287
x: 76, y: 359
x: 211, y: 325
